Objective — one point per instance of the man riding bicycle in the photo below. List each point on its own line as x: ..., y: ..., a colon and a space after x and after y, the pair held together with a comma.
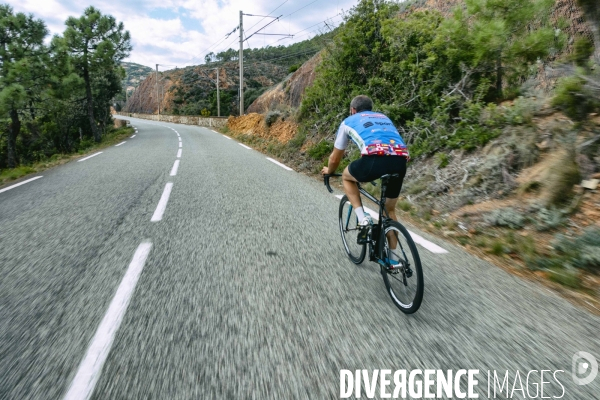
x: 382, y: 152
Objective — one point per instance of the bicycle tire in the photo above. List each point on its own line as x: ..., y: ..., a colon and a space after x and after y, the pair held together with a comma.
x: 406, y: 292
x: 349, y: 231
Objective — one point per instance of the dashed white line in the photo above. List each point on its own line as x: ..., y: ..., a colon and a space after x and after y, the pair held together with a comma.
x: 244, y: 146
x: 227, y: 137
x: 280, y: 164
x: 432, y: 247
x: 90, y: 368
x: 179, y: 139
x: 175, y: 168
x: 20, y: 183
x: 179, y: 153
x: 132, y: 136
x: 117, y: 145
x: 162, y: 204
x: 179, y: 144
x: 88, y: 157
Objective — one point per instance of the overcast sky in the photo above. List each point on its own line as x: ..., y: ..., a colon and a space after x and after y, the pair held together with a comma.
x: 181, y: 32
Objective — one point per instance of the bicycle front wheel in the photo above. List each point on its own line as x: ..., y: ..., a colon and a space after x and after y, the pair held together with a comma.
x: 404, y: 279
x: 349, y: 231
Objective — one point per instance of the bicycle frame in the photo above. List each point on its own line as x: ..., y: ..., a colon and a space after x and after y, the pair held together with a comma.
x: 376, y: 241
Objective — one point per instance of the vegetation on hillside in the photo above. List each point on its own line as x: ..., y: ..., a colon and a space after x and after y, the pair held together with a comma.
x: 192, y: 89
x: 134, y: 74
x: 55, y: 98
x: 438, y: 78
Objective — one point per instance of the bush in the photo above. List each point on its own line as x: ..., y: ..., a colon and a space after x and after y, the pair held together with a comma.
x: 272, y: 117
x: 320, y: 150
x: 581, y: 252
x: 508, y: 217
x: 574, y: 99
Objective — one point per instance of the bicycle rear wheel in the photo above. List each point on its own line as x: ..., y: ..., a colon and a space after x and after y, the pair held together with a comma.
x: 404, y: 282
x: 349, y: 231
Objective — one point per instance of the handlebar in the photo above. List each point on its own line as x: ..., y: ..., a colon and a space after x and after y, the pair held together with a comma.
x: 326, y: 181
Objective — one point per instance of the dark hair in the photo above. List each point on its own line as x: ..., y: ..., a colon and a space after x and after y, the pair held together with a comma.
x: 362, y: 103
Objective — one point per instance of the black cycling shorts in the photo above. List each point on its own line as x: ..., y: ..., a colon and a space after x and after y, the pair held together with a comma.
x: 370, y: 168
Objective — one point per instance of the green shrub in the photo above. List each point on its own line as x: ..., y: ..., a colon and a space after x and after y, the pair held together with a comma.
x: 573, y: 98
x: 508, y: 217
x: 583, y: 49
x: 272, y: 117
x: 581, y: 252
x: 442, y: 160
x: 561, y: 178
x: 320, y: 150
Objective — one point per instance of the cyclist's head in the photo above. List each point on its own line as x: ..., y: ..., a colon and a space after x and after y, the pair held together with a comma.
x: 361, y: 103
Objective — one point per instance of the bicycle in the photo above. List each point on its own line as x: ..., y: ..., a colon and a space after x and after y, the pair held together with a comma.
x: 404, y: 280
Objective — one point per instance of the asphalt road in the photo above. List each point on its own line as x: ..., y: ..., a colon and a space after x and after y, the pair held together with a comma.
x: 244, y: 292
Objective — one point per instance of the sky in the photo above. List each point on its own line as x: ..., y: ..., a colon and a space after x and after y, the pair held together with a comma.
x: 177, y: 33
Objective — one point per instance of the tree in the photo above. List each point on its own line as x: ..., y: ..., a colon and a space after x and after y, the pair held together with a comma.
x: 591, y: 9
x: 23, y: 60
x: 97, y: 44
x: 496, y: 39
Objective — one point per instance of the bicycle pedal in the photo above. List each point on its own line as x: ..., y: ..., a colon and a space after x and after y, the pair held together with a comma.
x: 363, y: 236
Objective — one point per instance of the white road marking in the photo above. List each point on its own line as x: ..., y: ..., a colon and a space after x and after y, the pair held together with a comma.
x: 117, y: 145
x: 179, y: 139
x: 162, y: 204
x: 132, y: 136
x: 88, y: 157
x: 179, y: 144
x: 175, y: 168
x: 432, y: 247
x: 420, y: 240
x: 178, y: 135
x: 90, y: 368
x: 280, y: 164
x: 244, y: 146
x: 227, y: 137
x: 179, y: 153
x: 20, y: 183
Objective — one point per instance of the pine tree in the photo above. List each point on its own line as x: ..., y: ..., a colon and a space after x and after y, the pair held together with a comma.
x: 23, y: 60
x: 97, y: 44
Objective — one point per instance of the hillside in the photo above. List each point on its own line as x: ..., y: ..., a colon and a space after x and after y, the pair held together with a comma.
x: 279, y: 96
x: 192, y: 90
x: 135, y: 74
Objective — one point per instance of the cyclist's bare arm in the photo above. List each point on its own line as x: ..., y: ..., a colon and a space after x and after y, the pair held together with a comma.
x: 334, y: 161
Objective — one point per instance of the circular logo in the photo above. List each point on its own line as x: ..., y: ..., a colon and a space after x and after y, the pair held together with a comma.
x: 585, y: 368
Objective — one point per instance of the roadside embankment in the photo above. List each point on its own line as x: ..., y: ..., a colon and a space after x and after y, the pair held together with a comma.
x: 211, y: 122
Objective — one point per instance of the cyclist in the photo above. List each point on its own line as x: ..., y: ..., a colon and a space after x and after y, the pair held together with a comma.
x: 382, y: 150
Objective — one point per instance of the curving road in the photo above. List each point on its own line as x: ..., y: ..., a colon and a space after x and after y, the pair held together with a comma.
x: 222, y: 276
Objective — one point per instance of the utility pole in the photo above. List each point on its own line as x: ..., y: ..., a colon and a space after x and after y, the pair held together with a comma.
x: 241, y: 63
x: 218, y: 97
x: 157, y: 98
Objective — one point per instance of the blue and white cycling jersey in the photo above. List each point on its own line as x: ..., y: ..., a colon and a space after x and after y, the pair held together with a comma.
x: 373, y: 133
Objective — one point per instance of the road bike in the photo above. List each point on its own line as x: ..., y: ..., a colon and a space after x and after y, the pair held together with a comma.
x: 403, y: 279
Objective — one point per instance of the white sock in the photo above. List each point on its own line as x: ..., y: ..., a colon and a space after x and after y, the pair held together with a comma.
x: 394, y: 254
x: 360, y: 213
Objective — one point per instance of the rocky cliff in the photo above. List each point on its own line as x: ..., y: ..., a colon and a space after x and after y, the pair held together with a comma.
x: 192, y: 90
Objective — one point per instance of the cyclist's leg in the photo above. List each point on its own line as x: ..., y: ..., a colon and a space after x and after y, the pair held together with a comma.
x: 351, y: 188
x: 390, y: 206
x: 392, y: 193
